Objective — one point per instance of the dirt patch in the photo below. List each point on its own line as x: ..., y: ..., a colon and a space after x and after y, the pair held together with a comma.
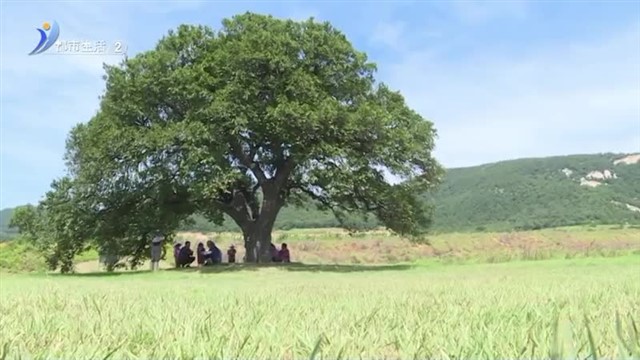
x: 590, y: 183
x: 628, y: 160
x: 633, y: 208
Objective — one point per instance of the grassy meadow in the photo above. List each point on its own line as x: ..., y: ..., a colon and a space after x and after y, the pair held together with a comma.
x: 545, y: 309
x: 337, y: 246
x: 462, y: 296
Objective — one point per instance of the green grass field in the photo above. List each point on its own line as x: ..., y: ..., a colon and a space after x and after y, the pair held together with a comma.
x: 555, y: 293
x: 335, y: 246
x: 383, y: 247
x: 558, y: 308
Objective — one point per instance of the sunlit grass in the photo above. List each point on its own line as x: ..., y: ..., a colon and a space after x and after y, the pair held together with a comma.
x: 381, y: 246
x: 536, y: 310
x: 336, y: 246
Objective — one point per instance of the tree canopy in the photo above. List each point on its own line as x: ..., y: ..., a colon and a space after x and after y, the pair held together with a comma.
x: 241, y: 121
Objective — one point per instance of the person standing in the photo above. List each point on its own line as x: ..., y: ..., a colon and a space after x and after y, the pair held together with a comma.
x: 231, y: 254
x: 157, y: 251
x: 176, y: 254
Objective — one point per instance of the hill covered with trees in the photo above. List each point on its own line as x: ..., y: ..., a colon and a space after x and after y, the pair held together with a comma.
x: 521, y: 194
x: 541, y: 193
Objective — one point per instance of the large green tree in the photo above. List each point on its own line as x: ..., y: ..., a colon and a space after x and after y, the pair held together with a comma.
x: 242, y: 122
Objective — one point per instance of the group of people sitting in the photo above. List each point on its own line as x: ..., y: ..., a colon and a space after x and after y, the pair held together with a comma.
x: 281, y: 255
x: 184, y: 255
x: 212, y: 255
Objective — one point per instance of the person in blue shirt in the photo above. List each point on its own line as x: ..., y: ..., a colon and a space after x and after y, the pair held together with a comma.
x: 214, y: 254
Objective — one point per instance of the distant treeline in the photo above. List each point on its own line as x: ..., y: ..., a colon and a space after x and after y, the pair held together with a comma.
x: 289, y: 218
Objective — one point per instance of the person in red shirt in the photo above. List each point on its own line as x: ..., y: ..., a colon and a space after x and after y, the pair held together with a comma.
x: 231, y: 254
x: 200, y: 256
x: 284, y: 253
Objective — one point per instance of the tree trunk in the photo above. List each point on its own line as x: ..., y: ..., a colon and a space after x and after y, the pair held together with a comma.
x: 257, y: 242
x: 257, y: 233
x: 250, y: 255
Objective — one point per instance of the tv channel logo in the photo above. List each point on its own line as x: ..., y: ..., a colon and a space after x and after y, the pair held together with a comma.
x: 46, y: 40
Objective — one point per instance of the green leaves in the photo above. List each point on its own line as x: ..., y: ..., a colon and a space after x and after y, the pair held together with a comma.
x: 26, y: 219
x: 59, y: 226
x: 206, y: 122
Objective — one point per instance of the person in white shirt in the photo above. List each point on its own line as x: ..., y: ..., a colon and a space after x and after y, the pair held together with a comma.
x: 157, y: 251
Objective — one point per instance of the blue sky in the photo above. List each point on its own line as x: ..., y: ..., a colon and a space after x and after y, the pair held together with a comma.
x: 500, y: 80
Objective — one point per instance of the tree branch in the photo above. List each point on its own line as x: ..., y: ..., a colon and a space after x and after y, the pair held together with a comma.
x: 325, y: 202
x: 313, y: 195
x: 248, y: 162
x: 251, y: 201
x: 367, y: 206
x: 233, y: 213
x: 236, y: 210
x: 283, y: 172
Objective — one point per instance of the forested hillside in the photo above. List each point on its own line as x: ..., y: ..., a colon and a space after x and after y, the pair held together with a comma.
x: 539, y: 193
x: 515, y: 194
x: 5, y: 217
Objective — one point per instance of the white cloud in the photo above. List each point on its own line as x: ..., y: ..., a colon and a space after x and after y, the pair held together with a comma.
x: 32, y: 153
x: 482, y: 11
x: 168, y: 7
x: 45, y: 95
x: 389, y: 34
x: 50, y: 74
x: 555, y: 100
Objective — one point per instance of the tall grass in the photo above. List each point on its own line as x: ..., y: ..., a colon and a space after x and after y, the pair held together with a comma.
x: 551, y: 309
x: 381, y: 246
x: 338, y: 246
